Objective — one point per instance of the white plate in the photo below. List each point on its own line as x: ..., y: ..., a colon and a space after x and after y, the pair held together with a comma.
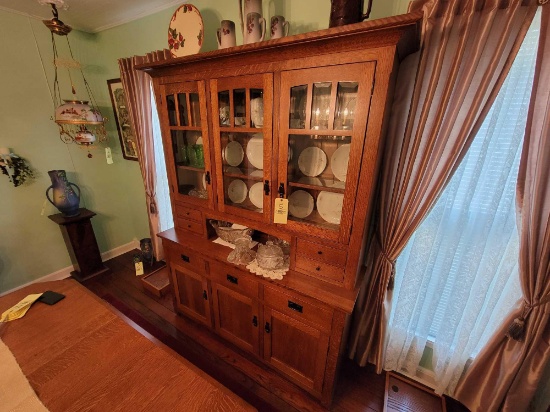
x: 233, y: 153
x: 257, y: 173
x: 329, y: 206
x: 312, y: 161
x: 300, y: 204
x: 237, y: 191
x: 186, y: 31
x: 256, y: 195
x: 255, y: 151
x: 339, y: 162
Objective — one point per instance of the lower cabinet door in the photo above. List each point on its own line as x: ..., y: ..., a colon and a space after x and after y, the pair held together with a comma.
x: 236, y: 318
x: 192, y: 295
x: 296, y: 349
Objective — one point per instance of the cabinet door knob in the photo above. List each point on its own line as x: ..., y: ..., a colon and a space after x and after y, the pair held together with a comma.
x: 266, y: 187
x: 320, y: 252
x: 204, y: 295
x: 255, y: 321
x: 318, y: 268
x: 281, y: 190
x: 267, y: 328
x: 207, y: 177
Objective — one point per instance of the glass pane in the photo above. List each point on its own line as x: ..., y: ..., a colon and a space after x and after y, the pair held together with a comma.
x: 171, y: 105
x: 298, y: 100
x: 242, y: 155
x: 195, y: 109
x: 345, y: 105
x: 239, y: 104
x: 225, y: 109
x: 317, y: 168
x: 189, y: 159
x: 320, y: 105
x: 182, y: 107
x: 256, y: 108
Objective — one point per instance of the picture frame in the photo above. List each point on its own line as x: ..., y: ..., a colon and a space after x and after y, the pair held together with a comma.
x: 122, y: 119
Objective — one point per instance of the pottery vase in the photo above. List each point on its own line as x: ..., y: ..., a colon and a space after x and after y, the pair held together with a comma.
x: 65, y: 199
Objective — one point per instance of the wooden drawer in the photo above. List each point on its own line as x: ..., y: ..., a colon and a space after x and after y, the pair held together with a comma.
x: 320, y: 269
x: 316, y: 251
x: 298, y: 308
x: 187, y: 213
x: 186, y: 258
x: 190, y: 225
x: 234, y: 279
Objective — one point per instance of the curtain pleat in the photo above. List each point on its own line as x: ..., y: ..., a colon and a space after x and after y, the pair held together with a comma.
x: 507, y: 372
x: 137, y: 88
x: 464, y: 58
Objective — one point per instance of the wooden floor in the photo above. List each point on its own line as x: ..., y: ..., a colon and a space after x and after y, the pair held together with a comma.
x: 358, y: 389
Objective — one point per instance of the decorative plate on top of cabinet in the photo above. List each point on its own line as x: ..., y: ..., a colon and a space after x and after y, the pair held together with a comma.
x: 186, y: 31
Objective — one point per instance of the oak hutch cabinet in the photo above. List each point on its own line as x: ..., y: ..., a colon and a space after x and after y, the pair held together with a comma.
x: 301, y: 118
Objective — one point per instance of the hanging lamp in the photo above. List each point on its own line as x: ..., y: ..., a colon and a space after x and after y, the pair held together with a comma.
x: 79, y: 121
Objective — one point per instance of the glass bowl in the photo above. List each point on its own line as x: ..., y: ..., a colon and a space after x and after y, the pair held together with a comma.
x: 270, y: 256
x: 228, y: 233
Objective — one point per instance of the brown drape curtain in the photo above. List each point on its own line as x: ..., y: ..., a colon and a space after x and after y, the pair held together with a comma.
x: 137, y: 88
x: 505, y: 375
x: 467, y: 49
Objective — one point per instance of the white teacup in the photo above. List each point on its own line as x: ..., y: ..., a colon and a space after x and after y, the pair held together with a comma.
x: 279, y: 27
x: 226, y: 35
x: 254, y: 30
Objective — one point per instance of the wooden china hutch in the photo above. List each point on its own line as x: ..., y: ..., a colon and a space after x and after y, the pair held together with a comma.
x: 302, y: 118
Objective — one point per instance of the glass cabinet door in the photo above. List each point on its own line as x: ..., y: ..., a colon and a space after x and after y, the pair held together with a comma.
x: 323, y: 120
x: 242, y: 118
x: 185, y: 135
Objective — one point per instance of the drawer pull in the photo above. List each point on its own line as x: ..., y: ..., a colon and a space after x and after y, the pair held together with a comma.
x: 233, y: 279
x: 318, y: 268
x: 204, y: 295
x: 320, y: 252
x: 255, y: 321
x: 267, y: 328
x: 294, y: 306
x: 188, y: 226
x: 185, y: 258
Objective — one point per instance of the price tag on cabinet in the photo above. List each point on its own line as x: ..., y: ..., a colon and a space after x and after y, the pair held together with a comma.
x: 281, y: 211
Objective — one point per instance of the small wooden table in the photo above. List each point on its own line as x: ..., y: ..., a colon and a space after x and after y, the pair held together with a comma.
x: 81, y: 243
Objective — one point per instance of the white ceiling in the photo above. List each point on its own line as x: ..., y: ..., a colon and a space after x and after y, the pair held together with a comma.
x: 92, y: 15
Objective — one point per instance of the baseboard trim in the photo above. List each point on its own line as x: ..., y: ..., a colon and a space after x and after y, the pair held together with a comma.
x: 66, y: 272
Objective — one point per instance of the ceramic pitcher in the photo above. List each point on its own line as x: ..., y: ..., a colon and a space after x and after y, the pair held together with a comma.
x: 255, y: 28
x: 250, y: 6
x: 65, y: 198
x: 279, y: 27
x: 226, y: 35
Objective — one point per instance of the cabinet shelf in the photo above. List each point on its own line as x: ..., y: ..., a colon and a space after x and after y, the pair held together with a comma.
x: 316, y: 187
x: 191, y: 168
x: 244, y: 177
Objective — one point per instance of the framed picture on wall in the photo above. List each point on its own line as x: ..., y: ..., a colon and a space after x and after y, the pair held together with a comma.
x: 122, y: 120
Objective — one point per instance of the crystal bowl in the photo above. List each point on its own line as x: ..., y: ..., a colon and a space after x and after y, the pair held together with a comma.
x: 228, y: 233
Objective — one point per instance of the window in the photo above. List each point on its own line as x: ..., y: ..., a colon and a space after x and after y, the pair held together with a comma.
x: 458, y: 275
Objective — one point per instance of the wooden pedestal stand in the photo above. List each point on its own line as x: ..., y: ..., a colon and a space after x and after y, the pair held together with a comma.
x: 81, y: 243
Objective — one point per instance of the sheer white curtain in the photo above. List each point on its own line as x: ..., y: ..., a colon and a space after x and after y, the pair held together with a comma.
x: 459, y: 270
x: 166, y: 220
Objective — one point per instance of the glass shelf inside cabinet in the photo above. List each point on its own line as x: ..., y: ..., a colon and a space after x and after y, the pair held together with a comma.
x: 316, y: 178
x: 187, y: 143
x: 242, y: 168
x: 189, y: 159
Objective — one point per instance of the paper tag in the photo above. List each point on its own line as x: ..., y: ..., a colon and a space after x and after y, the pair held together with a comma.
x: 109, y: 155
x: 44, y: 207
x: 139, y: 268
x: 281, y: 211
x: 20, y: 309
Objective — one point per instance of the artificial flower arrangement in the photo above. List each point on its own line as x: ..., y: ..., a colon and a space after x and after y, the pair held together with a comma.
x: 15, y: 167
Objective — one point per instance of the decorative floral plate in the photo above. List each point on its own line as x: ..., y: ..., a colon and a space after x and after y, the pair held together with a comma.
x: 186, y: 31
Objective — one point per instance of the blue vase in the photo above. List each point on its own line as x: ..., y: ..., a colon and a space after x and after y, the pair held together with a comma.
x: 65, y: 198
